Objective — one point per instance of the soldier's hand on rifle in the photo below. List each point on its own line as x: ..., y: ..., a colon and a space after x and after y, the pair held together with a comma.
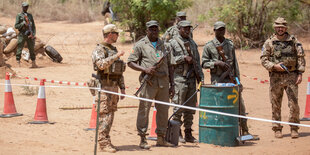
x: 123, y: 92
x: 277, y: 67
x: 119, y: 54
x: 150, y: 70
x: 188, y: 59
x: 222, y: 64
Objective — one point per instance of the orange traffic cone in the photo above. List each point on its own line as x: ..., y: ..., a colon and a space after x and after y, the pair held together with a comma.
x: 9, y: 109
x: 40, y: 116
x: 307, y: 109
x: 93, y: 117
x: 153, y: 135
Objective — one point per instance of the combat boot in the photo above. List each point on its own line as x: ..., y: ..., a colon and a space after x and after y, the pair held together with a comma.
x: 108, y: 148
x: 189, y: 137
x: 143, y: 143
x: 278, y: 134
x: 294, y: 134
x: 181, y: 139
x: 33, y: 64
x: 162, y: 142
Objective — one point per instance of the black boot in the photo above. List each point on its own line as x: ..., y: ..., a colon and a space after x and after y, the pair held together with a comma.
x: 189, y: 137
x: 181, y: 139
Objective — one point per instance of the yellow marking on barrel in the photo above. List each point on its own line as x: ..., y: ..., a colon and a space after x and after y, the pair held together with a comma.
x: 235, y: 96
x: 202, y: 115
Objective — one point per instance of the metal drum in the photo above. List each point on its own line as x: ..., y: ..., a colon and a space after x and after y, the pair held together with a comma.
x: 214, y: 128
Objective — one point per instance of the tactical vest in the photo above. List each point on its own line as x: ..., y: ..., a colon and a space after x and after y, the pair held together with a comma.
x: 285, y: 52
x: 115, y: 70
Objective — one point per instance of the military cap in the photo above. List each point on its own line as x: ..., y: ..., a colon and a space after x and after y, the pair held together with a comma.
x: 181, y: 14
x: 25, y: 4
x: 280, y: 22
x: 218, y: 25
x: 151, y: 23
x: 184, y: 23
x: 110, y: 28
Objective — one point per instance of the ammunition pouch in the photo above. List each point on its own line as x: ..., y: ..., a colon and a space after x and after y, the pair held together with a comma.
x: 285, y: 52
x: 117, y: 68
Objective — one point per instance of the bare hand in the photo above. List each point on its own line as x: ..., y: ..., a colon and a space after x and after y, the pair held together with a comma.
x: 150, y: 70
x: 120, y: 54
x: 222, y: 64
x: 277, y: 67
x: 123, y: 92
x: 188, y: 59
x: 299, y: 79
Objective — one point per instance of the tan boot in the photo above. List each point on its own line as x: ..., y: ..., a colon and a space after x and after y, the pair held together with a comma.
x: 34, y: 65
x: 108, y: 148
x: 278, y: 134
x: 143, y: 143
x: 294, y: 134
x: 162, y: 142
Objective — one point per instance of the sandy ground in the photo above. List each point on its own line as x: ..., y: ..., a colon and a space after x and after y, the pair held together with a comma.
x: 75, y: 43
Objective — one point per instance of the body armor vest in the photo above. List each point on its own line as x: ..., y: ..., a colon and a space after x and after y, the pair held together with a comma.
x: 285, y: 52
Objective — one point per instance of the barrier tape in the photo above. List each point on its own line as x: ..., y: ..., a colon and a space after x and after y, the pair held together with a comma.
x: 173, y: 105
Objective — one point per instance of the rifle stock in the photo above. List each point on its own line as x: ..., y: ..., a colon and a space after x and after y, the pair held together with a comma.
x: 188, y: 49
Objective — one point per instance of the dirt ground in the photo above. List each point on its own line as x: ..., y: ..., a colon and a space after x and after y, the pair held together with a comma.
x: 75, y: 43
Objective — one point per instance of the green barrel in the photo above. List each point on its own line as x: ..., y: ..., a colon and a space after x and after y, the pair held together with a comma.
x: 214, y: 128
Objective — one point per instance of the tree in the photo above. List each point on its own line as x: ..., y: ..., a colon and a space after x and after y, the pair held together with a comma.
x: 250, y: 21
x: 133, y: 14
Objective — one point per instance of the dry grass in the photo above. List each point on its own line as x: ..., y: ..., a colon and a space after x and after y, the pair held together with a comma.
x: 76, y: 11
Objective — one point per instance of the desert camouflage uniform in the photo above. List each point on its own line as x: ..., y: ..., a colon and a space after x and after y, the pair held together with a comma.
x: 103, y: 58
x: 146, y: 56
x: 22, y: 28
x: 210, y: 56
x: 1, y: 53
x: 291, y: 54
x: 184, y: 87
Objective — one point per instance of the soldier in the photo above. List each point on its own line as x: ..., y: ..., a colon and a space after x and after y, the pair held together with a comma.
x: 110, y: 70
x: 184, y: 77
x: 146, y: 53
x: 173, y: 30
x: 26, y: 33
x: 212, y: 60
x: 283, y: 48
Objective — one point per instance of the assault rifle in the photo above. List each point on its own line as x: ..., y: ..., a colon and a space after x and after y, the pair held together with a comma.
x: 188, y: 49
x: 29, y: 31
x: 147, y: 77
x: 285, y: 68
x: 229, y: 70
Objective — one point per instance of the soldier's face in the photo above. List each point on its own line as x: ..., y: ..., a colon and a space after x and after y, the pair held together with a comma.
x: 185, y: 31
x: 114, y: 36
x: 25, y: 8
x: 153, y: 32
x: 219, y: 33
x: 280, y: 30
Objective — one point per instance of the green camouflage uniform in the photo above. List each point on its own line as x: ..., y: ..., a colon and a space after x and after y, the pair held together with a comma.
x: 105, y: 60
x: 291, y: 54
x: 146, y: 56
x: 22, y: 27
x: 184, y: 87
x: 210, y: 56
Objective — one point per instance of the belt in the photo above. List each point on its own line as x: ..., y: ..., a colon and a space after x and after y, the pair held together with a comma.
x: 111, y: 77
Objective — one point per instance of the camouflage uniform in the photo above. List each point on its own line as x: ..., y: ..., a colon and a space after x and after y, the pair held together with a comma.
x: 184, y: 87
x: 146, y: 56
x: 291, y: 54
x: 109, y: 68
x: 20, y: 24
x: 210, y: 56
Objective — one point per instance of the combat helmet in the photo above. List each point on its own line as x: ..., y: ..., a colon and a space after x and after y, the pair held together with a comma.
x: 280, y: 22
